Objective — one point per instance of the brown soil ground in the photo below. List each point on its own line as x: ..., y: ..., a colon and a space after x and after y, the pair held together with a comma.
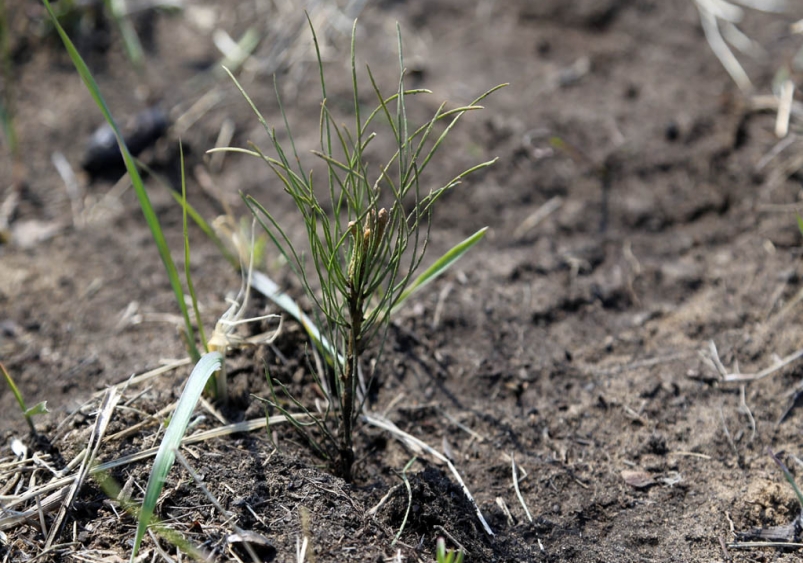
x: 573, y: 346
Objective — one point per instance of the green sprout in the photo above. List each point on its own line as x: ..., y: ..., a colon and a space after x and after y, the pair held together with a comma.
x: 788, y: 476
x: 450, y: 556
x: 28, y: 413
x: 364, y: 251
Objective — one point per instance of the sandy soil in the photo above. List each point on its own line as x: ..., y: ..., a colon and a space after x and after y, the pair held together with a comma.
x: 571, y: 344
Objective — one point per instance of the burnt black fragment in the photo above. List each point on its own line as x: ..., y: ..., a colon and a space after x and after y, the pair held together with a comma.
x: 103, y: 156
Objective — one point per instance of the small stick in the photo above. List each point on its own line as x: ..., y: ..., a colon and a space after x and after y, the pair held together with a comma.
x: 462, y: 426
x: 303, y: 516
x: 169, y: 365
x: 452, y: 538
x: 42, y: 522
x: 71, y: 185
x: 7, y: 209
x: 752, y: 544
x: 197, y: 110
x: 235, y: 53
x: 649, y: 362
x: 746, y: 410
x: 724, y: 547
x: 712, y: 348
x: 224, y: 138
x: 691, y: 454
x: 539, y: 215
x: 152, y: 419
x: 770, y: 102
x: 444, y: 293
x: 409, y: 501
x: 212, y: 410
x: 417, y: 444
x: 742, y: 42
x: 518, y: 491
x: 102, y: 422
x: 730, y: 522
x: 784, y: 109
x: 505, y: 510
x: 228, y: 515
x: 779, y: 147
x: 727, y: 433
x: 398, y: 398
x: 708, y: 19
x: 159, y: 549
x: 738, y: 377
x: 59, y: 485
x: 197, y: 478
x: 383, y: 500
x: 301, y: 549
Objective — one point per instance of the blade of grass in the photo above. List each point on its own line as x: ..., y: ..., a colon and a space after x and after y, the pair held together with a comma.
x: 788, y: 475
x: 139, y: 187
x: 193, y: 214
x: 7, y: 103
x: 187, y: 275
x: 439, y: 267
x: 114, y: 491
x: 409, y: 500
x: 270, y: 289
x: 214, y: 386
x: 39, y: 408
x: 133, y: 46
x: 165, y: 457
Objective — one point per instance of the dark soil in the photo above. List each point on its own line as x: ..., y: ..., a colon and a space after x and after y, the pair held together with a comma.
x: 572, y: 346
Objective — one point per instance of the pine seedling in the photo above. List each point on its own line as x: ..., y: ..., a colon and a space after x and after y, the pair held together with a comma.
x: 364, y: 251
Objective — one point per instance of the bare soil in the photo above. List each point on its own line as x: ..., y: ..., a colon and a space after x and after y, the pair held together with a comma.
x: 573, y: 346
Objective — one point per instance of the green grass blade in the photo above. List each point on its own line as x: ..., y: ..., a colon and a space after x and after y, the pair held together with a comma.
x: 194, y: 215
x: 17, y: 395
x: 270, y: 289
x: 440, y: 266
x: 131, y: 42
x: 208, y: 365
x: 7, y: 72
x: 139, y: 187
x: 14, y: 389
x: 207, y: 229
x: 187, y: 274
x: 789, y: 478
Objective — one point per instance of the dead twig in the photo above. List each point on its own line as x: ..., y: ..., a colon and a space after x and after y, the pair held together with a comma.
x: 419, y: 446
x: 104, y: 416
x: 518, y: 491
x: 737, y: 377
x: 538, y: 216
x: 58, y: 487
